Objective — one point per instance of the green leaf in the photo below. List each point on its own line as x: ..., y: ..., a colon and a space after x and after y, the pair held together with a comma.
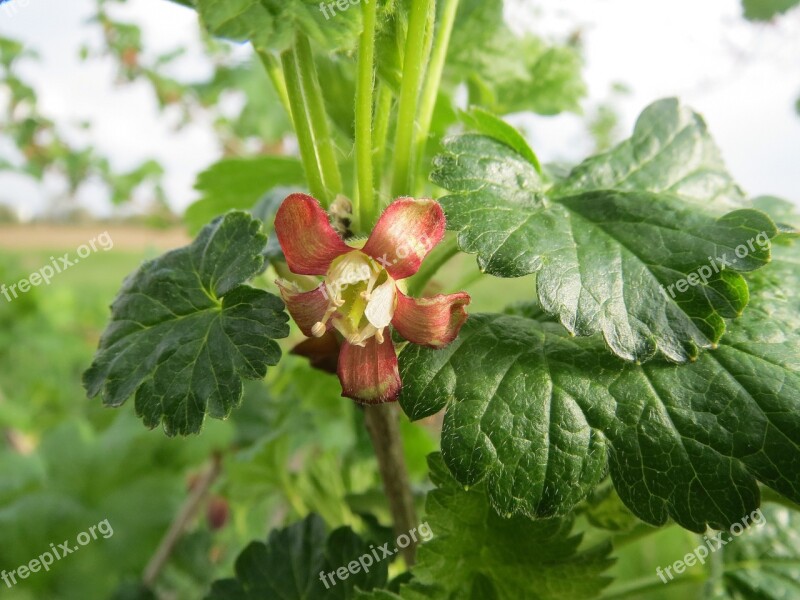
x: 538, y: 416
x: 624, y: 261
x: 239, y: 183
x: 124, y: 185
x: 774, y: 313
x: 766, y: 10
x: 133, y: 590
x: 184, y: 332
x: 671, y: 151
x: 68, y: 483
x: 271, y: 24
x: 476, y: 553
x: 782, y: 212
x: 507, y: 423
x: 289, y: 566
x: 605, y: 510
x: 552, y: 84
x: 380, y: 595
x: 478, y: 164
x: 509, y: 73
x: 764, y: 562
x: 484, y: 122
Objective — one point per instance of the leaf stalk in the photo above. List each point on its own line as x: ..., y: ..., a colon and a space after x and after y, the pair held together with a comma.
x: 364, y: 209
x: 317, y: 117
x: 414, y: 66
x: 433, y: 79
x: 302, y: 127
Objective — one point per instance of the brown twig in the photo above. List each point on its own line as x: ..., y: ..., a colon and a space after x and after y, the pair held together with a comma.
x: 181, y: 521
x: 384, y: 430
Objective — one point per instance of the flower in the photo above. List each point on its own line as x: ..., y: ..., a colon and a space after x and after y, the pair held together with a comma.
x: 360, y: 297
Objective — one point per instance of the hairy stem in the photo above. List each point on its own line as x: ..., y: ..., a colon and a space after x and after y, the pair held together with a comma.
x: 380, y: 136
x: 273, y: 69
x: 364, y: 211
x: 413, y: 71
x: 433, y: 78
x: 317, y: 116
x: 186, y: 514
x: 384, y: 430
x: 302, y: 127
x: 714, y: 586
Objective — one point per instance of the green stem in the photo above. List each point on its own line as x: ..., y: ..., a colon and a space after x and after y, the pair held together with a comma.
x: 413, y: 71
x: 273, y: 68
x: 318, y: 118
x: 364, y: 212
x: 435, y: 260
x: 292, y: 497
x: 717, y: 564
x: 433, y: 79
x: 302, y: 128
x: 466, y: 281
x: 380, y: 137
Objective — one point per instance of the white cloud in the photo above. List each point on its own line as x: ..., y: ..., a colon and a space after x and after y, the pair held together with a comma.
x: 741, y: 76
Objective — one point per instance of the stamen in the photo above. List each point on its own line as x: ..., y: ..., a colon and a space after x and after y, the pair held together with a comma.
x: 352, y: 285
x: 355, y: 340
x: 320, y: 327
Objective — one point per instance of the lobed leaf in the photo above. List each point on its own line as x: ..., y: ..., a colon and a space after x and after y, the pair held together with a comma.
x: 272, y: 24
x: 670, y: 151
x: 289, y: 564
x: 539, y: 416
x: 766, y: 10
x: 783, y: 213
x: 508, y: 73
x: 764, y: 562
x: 476, y: 553
x: 484, y: 122
x: 185, y: 332
x: 612, y: 247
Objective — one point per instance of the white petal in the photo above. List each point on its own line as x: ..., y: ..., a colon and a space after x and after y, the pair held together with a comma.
x: 351, y: 269
x: 381, y: 305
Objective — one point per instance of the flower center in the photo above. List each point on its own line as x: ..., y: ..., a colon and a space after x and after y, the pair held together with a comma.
x: 361, y: 298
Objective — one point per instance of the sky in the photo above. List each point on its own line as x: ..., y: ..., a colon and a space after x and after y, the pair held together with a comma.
x: 743, y: 77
